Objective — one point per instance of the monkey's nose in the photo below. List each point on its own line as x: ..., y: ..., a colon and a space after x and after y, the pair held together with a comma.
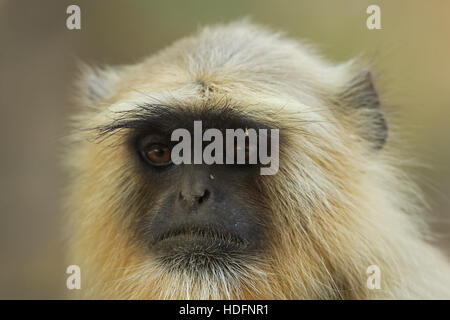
x: 194, y: 196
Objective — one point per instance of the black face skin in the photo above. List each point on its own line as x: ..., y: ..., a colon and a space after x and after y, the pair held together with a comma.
x: 203, y: 219
x: 198, y: 217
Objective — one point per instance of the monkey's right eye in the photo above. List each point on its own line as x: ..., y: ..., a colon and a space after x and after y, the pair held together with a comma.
x: 157, y: 154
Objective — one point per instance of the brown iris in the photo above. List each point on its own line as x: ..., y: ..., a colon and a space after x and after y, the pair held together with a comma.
x: 158, y: 154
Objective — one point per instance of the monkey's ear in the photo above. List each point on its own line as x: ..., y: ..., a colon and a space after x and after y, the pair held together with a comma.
x: 360, y: 100
x: 97, y: 84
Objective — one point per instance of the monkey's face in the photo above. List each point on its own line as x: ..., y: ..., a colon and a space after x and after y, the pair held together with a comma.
x: 196, y: 217
x: 148, y: 225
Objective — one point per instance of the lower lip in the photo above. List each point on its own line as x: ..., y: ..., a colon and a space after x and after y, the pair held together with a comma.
x: 195, y: 241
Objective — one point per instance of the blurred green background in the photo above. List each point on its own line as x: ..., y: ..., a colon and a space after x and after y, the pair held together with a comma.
x: 37, y: 63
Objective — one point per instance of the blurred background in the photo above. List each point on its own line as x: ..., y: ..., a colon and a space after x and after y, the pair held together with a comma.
x: 38, y: 55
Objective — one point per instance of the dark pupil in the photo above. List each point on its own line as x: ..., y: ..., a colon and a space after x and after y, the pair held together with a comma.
x: 158, y: 152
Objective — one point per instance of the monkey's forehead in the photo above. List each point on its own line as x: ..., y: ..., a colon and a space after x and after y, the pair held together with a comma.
x: 245, y: 54
x: 248, y: 67
x: 190, y: 99
x: 239, y: 60
x: 179, y: 87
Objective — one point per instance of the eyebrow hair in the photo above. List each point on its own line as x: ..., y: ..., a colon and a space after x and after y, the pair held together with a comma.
x: 136, y: 118
x: 165, y: 118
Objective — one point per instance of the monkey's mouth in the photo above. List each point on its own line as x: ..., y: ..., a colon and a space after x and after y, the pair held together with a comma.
x: 199, y: 249
x: 198, y: 238
x: 202, y: 249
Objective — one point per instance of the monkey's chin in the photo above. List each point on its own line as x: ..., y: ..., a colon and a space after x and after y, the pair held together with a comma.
x: 199, y: 254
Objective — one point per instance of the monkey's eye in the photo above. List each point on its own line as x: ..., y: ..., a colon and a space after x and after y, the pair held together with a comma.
x: 249, y: 151
x: 157, y: 154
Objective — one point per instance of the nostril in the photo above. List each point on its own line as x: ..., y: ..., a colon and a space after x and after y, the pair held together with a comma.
x: 204, y: 197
